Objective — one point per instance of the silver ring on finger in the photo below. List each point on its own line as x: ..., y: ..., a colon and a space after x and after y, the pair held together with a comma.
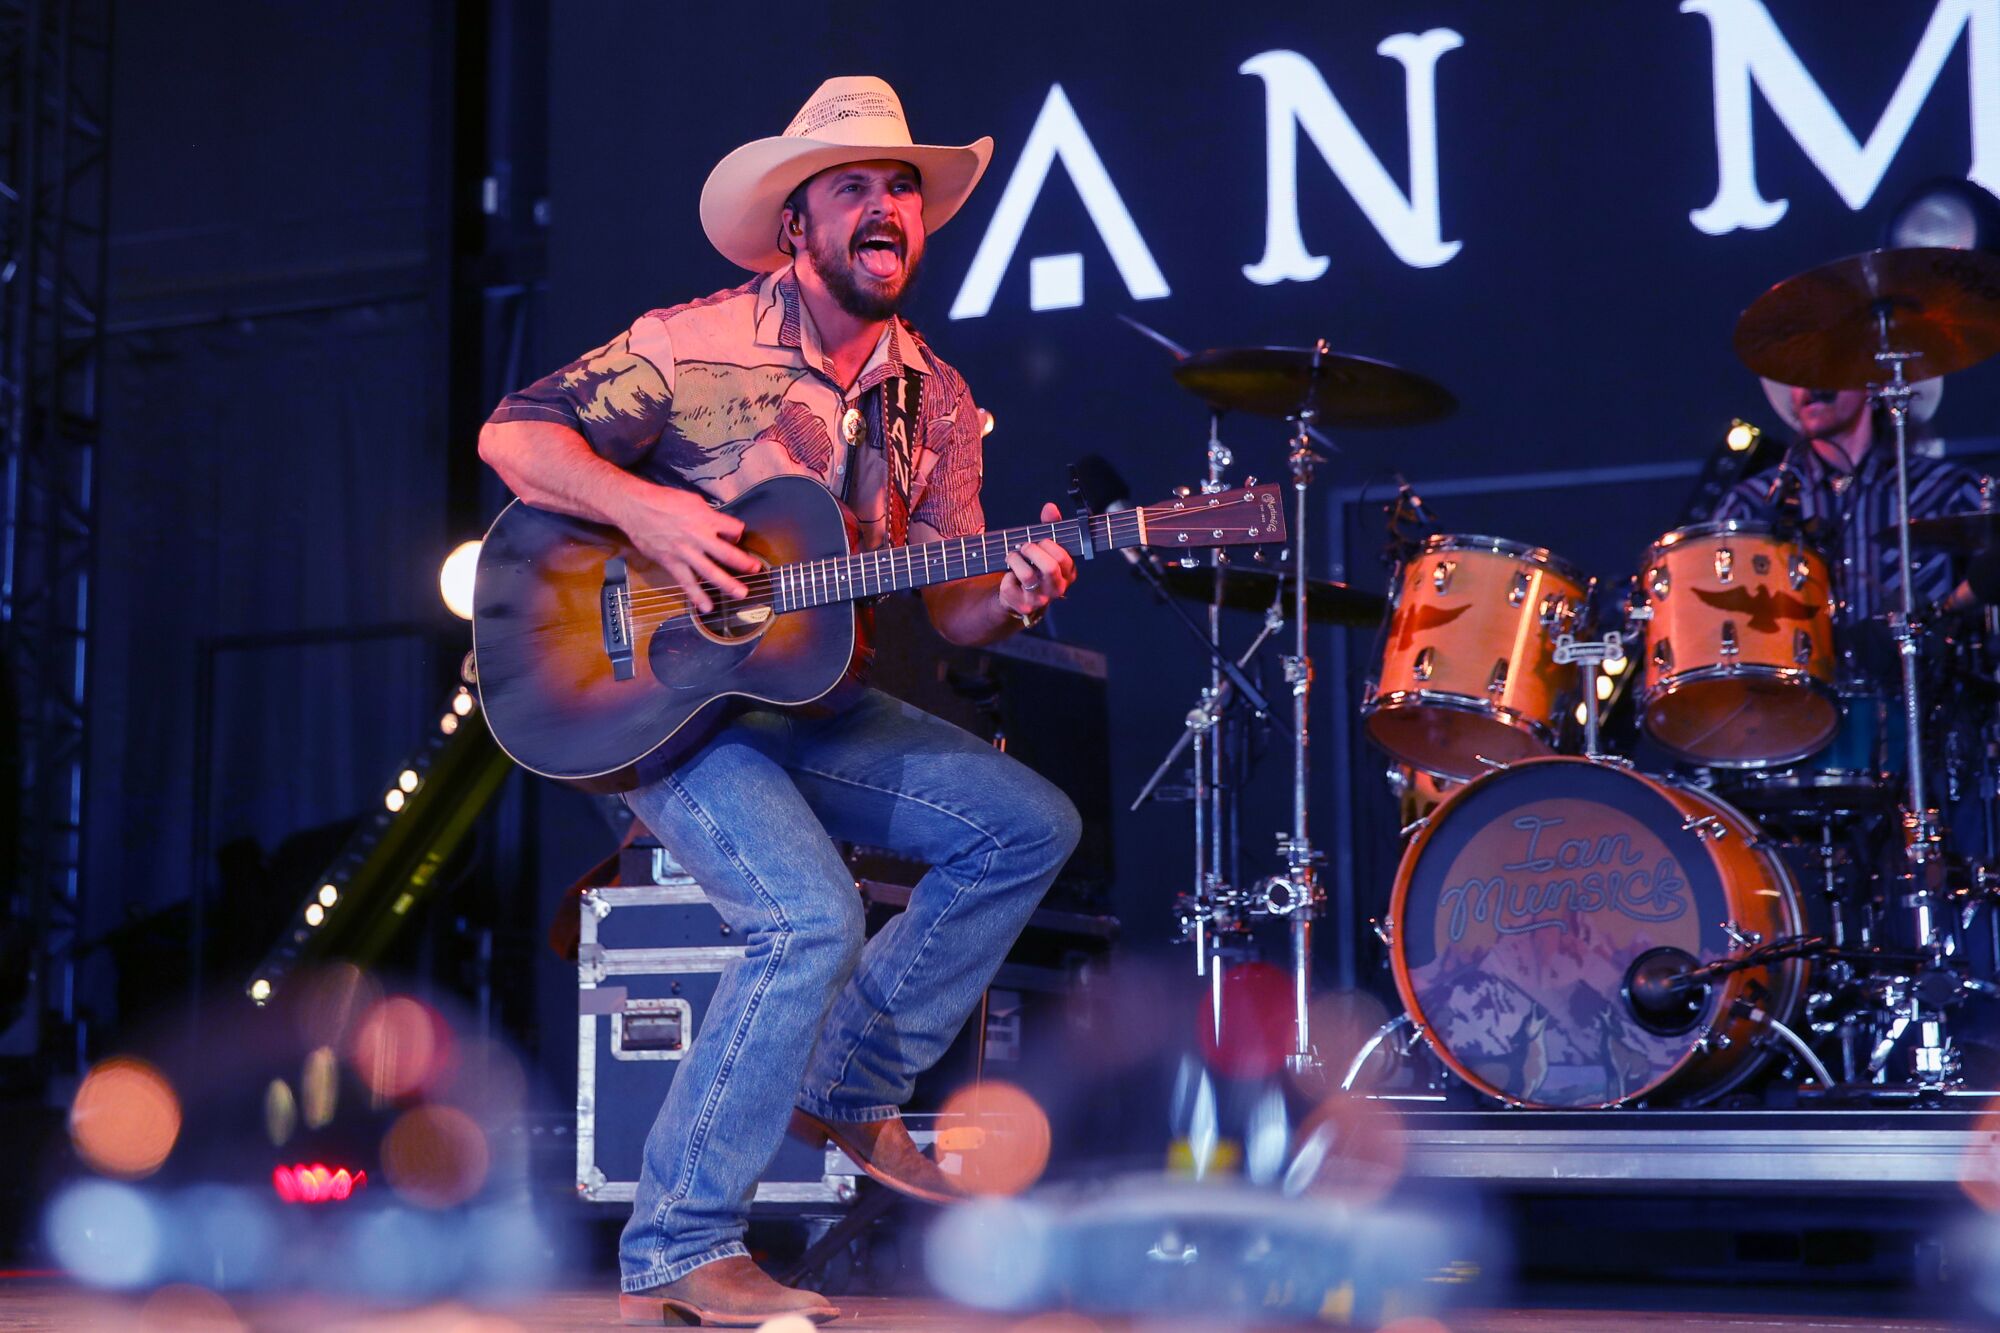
x: 1031, y: 586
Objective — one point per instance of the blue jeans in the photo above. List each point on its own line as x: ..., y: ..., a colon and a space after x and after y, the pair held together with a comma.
x: 811, y: 1016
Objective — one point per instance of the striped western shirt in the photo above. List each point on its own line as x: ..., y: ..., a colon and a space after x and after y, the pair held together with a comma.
x: 1854, y: 508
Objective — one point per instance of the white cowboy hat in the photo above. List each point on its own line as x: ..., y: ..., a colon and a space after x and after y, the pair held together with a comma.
x: 855, y: 119
x: 1924, y: 398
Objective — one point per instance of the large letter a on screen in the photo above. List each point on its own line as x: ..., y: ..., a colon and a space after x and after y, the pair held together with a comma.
x: 1057, y: 280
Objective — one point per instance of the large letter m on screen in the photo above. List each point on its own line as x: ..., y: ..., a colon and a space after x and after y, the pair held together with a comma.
x: 1749, y: 49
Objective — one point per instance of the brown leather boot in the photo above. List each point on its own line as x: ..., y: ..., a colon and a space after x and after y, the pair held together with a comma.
x: 729, y: 1293
x: 885, y: 1150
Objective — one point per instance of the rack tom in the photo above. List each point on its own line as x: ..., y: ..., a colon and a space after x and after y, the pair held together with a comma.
x: 1468, y: 669
x: 1739, y: 663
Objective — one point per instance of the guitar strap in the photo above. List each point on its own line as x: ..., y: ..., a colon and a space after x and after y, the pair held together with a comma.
x: 894, y: 411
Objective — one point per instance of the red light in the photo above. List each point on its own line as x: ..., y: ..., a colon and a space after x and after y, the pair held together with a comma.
x: 315, y: 1183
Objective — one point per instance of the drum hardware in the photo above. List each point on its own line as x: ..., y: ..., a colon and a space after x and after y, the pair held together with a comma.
x: 1590, y: 655
x: 1301, y: 879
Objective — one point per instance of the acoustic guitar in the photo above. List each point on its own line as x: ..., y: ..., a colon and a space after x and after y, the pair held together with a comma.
x: 590, y: 658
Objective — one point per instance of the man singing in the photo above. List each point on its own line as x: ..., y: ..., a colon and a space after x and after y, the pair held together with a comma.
x: 805, y: 369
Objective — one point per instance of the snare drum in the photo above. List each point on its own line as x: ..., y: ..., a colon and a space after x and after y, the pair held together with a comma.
x: 1739, y: 662
x: 1468, y: 669
x: 1535, y: 901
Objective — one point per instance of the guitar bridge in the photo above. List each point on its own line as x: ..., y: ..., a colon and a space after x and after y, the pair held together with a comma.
x: 615, y: 610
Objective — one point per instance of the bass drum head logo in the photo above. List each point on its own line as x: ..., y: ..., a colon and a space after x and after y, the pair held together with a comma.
x: 1528, y: 903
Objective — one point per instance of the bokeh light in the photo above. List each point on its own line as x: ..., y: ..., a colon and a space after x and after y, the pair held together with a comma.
x: 320, y: 1082
x: 399, y: 1047
x: 181, y: 1305
x: 1341, y: 1023
x: 105, y: 1234
x: 999, y: 1135
x: 788, y: 1323
x: 328, y: 999
x: 281, y: 1112
x: 1979, y: 1169
x: 316, y: 1183
x: 1059, y: 1322
x: 435, y: 1156
x: 1255, y: 1033
x: 995, y: 1254
x: 125, y: 1118
x: 456, y: 577
x: 1350, y: 1149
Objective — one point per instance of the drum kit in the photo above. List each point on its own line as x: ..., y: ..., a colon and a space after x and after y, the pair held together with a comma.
x: 1791, y: 881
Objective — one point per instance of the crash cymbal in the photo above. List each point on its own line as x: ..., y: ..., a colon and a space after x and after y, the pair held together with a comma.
x: 1251, y: 589
x: 1349, y: 391
x: 1961, y: 534
x: 1822, y: 328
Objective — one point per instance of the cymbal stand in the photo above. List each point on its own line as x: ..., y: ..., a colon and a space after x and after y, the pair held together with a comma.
x: 1297, y: 895
x: 1934, y: 1062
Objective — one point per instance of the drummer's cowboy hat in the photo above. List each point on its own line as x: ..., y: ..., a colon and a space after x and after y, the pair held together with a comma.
x: 856, y: 119
x: 1924, y: 397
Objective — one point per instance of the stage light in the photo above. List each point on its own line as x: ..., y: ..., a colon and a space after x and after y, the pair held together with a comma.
x: 986, y: 423
x: 448, y: 723
x: 1604, y: 687
x: 1582, y: 715
x: 125, y: 1118
x: 328, y: 895
x: 461, y: 703
x: 1742, y: 436
x: 408, y: 779
x: 260, y: 990
x: 455, y: 578
x: 1615, y: 666
x: 1946, y: 212
x: 393, y: 798
x: 315, y: 914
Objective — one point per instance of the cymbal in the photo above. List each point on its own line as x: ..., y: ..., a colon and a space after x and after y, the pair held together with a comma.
x: 1251, y: 589
x: 1351, y: 391
x: 1822, y: 328
x: 1961, y: 534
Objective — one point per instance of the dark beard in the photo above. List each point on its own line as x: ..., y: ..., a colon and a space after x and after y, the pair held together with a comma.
x: 834, y: 264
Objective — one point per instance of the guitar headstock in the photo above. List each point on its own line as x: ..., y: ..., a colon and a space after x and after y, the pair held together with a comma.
x: 1247, y: 516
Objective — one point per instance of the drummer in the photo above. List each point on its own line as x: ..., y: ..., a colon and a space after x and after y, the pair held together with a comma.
x: 1842, y: 469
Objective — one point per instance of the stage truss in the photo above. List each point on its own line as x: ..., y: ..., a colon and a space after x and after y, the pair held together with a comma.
x: 55, y: 64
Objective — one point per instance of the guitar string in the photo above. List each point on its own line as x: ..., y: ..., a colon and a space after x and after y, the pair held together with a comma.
x: 1117, y: 523
x: 815, y: 573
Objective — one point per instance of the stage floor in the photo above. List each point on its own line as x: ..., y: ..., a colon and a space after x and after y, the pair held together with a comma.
x: 38, y: 1304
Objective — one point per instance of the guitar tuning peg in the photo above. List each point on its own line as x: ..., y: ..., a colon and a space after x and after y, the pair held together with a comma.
x: 1183, y: 492
x: 1249, y: 481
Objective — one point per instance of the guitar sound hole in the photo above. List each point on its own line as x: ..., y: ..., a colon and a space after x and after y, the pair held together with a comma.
x: 736, y: 622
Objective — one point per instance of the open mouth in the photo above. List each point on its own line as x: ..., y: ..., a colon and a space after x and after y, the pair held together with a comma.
x: 880, y: 255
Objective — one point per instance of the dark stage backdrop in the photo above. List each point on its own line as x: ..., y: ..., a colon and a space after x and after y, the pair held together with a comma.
x: 1556, y: 210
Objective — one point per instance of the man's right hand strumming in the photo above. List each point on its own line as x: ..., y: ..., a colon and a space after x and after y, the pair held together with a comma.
x: 689, y: 538
x: 553, y: 467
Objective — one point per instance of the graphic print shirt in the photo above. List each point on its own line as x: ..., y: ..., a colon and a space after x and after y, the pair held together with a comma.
x: 733, y: 389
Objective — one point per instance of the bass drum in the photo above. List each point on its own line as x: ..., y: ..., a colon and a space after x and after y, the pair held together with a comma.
x: 1535, y: 896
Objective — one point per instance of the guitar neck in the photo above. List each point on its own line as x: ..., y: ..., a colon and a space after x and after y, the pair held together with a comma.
x: 897, y: 568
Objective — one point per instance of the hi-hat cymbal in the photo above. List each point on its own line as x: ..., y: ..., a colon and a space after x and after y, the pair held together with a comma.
x: 1349, y: 391
x: 1961, y: 534
x: 1823, y: 328
x: 1251, y: 589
